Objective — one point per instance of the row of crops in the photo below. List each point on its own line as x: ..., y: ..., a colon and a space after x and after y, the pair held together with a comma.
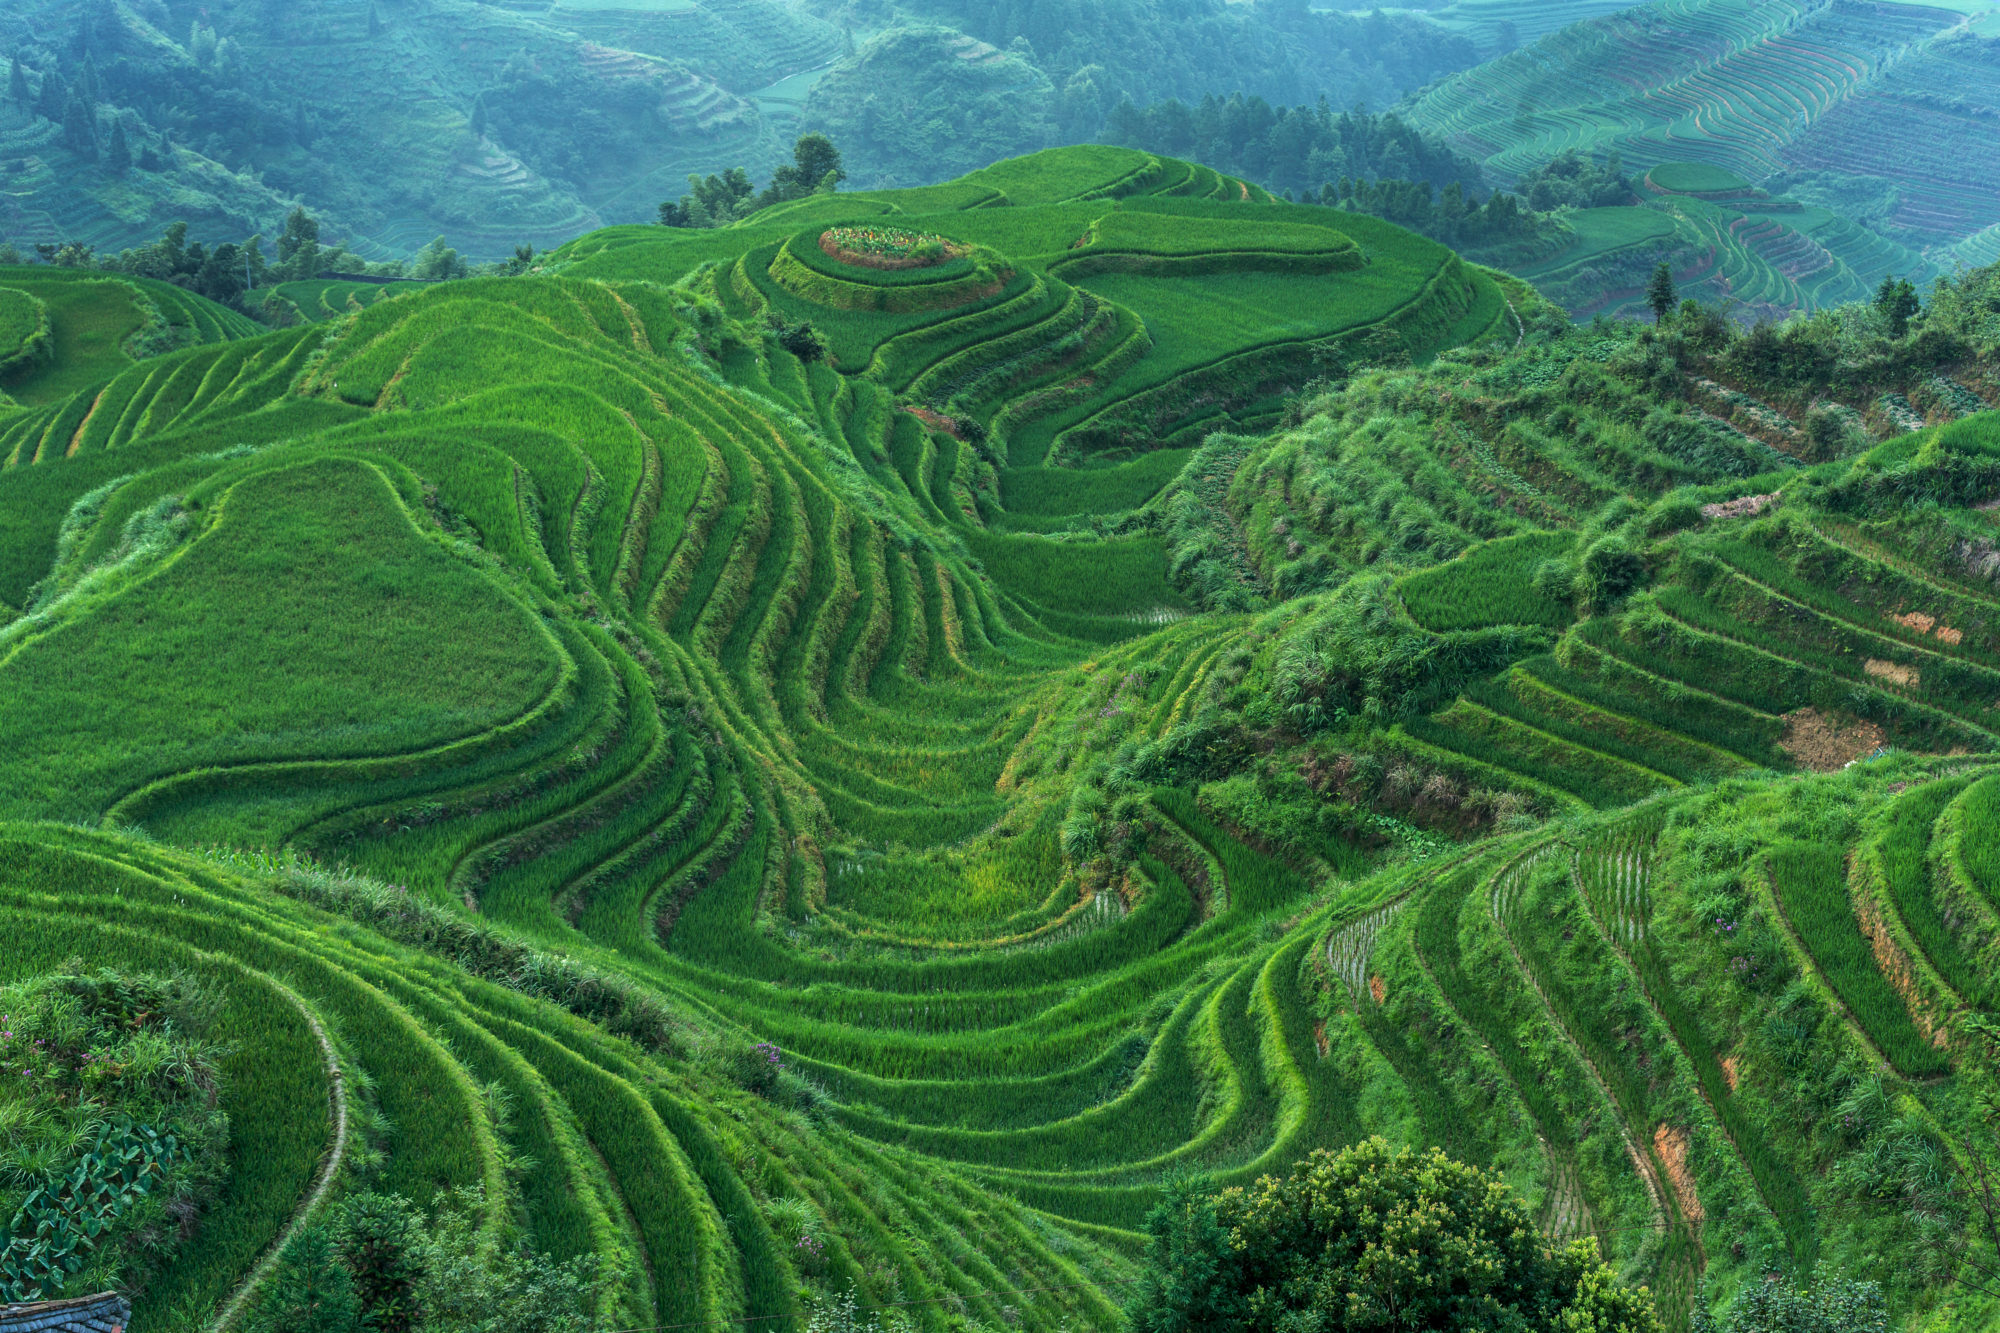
x: 894, y: 953
x: 706, y: 662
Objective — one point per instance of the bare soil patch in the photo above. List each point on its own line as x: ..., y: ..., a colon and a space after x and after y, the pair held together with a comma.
x: 1672, y: 1145
x: 1824, y: 743
x: 1893, y: 672
x: 1745, y: 507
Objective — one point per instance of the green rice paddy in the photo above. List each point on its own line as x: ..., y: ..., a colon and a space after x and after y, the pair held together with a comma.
x: 791, y: 828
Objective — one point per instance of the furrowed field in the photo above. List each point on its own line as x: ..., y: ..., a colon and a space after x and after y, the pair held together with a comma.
x: 791, y: 814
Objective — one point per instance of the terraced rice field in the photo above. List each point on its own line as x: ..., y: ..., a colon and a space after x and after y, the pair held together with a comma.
x: 664, y: 783
x: 329, y: 298
x: 94, y: 317
x: 1745, y: 89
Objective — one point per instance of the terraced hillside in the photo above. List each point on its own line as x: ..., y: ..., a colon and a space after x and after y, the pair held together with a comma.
x: 1858, y: 90
x: 1728, y: 242
x: 495, y: 124
x: 797, y: 810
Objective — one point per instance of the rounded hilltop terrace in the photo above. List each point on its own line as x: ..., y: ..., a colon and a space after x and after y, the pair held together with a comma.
x: 795, y: 815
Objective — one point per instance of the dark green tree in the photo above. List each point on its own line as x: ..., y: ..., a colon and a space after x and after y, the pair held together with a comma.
x: 1661, y: 294
x: 310, y: 1292
x: 374, y: 21
x: 298, y: 245
x: 17, y: 84
x: 437, y: 262
x: 815, y: 167
x: 1897, y: 300
x: 254, y: 266
x: 119, y: 156
x: 380, y: 1238
x: 80, y: 129
x: 52, y: 98
x: 220, y: 277
x: 88, y: 85
x: 1371, y: 1239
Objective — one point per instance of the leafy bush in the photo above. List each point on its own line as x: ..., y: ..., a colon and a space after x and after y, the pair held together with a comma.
x: 109, y: 1126
x: 1357, y: 658
x: 381, y: 1264
x: 1818, y: 1302
x: 1371, y: 1238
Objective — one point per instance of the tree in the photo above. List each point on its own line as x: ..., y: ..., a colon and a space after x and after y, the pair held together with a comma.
x: 374, y: 20
x: 310, y: 1292
x: 52, y: 98
x: 1660, y: 292
x: 436, y: 262
x: 380, y: 1238
x: 815, y: 169
x: 255, y: 268
x: 220, y: 276
x: 1816, y: 1304
x: 119, y: 156
x: 17, y: 85
x: 1897, y: 301
x: 80, y: 129
x: 298, y: 245
x: 1371, y: 1238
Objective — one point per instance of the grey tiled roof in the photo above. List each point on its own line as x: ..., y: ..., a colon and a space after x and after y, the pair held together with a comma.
x: 103, y: 1313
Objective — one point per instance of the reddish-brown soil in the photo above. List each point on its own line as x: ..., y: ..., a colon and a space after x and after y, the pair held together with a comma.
x: 1824, y: 743
x: 935, y: 420
x: 1672, y: 1145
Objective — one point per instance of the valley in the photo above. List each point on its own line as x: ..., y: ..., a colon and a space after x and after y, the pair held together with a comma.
x: 845, y: 753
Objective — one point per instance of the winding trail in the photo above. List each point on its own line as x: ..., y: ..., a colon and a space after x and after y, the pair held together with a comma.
x: 232, y: 1309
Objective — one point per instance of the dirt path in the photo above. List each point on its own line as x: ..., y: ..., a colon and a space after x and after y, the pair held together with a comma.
x: 336, y: 1152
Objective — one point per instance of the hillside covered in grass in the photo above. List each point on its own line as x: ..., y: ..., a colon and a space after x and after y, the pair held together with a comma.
x: 1877, y: 112
x: 828, y: 758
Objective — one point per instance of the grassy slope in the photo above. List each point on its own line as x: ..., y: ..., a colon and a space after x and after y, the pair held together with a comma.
x: 758, y: 708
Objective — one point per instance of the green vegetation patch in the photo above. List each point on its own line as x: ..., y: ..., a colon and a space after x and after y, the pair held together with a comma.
x: 1495, y: 583
x: 24, y: 328
x: 1812, y: 885
x: 1696, y: 178
x: 110, y: 1127
x: 1167, y: 234
x: 1058, y: 175
x: 312, y: 620
x: 89, y: 323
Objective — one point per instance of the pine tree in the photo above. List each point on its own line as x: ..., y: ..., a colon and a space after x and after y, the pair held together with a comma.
x: 119, y: 156
x: 54, y: 96
x: 1660, y: 293
x: 80, y: 129
x: 1897, y: 300
x: 17, y: 85
x: 374, y: 20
